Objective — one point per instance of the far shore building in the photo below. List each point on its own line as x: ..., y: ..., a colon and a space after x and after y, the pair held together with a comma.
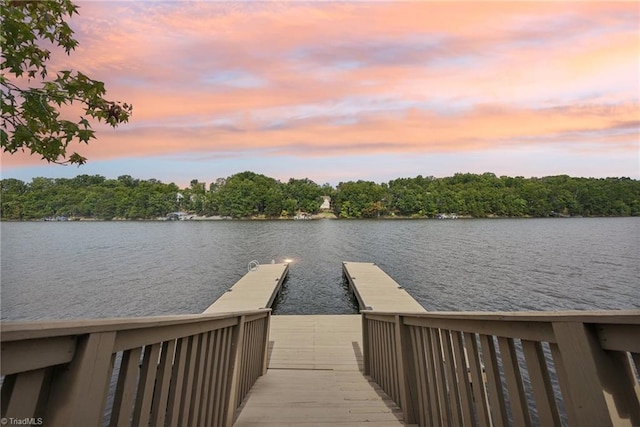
x: 326, y: 203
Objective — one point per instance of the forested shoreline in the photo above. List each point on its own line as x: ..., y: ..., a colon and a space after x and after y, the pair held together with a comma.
x: 251, y: 195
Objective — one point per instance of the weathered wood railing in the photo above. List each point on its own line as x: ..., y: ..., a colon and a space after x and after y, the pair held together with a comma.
x: 497, y: 369
x: 192, y: 370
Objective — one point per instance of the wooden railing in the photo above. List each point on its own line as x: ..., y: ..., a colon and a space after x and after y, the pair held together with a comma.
x: 192, y: 370
x: 498, y: 369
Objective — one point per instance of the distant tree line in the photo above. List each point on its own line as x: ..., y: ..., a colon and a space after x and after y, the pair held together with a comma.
x: 248, y: 194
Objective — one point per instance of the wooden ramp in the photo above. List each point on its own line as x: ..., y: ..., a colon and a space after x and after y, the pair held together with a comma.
x: 256, y: 289
x: 315, y: 378
x: 375, y: 290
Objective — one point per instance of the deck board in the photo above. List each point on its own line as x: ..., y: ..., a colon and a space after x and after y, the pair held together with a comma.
x: 376, y: 290
x: 256, y: 289
x: 315, y: 378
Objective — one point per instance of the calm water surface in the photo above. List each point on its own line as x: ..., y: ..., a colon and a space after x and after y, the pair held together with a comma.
x: 108, y: 269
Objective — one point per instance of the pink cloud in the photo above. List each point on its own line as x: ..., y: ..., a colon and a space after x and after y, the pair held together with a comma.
x: 325, y: 79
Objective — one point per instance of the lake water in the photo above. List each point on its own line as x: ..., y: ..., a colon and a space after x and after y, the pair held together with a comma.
x: 108, y: 269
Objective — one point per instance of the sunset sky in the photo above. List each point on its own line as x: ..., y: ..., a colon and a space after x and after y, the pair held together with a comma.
x: 339, y: 91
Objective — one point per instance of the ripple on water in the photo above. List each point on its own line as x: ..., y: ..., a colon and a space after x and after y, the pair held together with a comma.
x: 106, y: 269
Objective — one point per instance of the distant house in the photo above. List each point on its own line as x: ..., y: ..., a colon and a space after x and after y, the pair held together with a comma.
x: 326, y: 203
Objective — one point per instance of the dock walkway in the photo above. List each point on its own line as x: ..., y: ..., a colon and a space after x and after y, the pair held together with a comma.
x: 314, y: 378
x: 256, y: 289
x: 375, y: 290
x: 315, y: 372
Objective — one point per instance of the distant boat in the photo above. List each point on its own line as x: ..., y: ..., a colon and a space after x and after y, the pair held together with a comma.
x: 447, y: 216
x: 56, y: 218
x: 178, y: 216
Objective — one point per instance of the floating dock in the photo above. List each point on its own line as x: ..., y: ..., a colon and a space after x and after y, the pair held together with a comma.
x: 315, y: 378
x: 315, y: 364
x: 376, y: 290
x: 256, y: 289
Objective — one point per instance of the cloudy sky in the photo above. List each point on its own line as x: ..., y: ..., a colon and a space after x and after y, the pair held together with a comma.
x: 338, y: 91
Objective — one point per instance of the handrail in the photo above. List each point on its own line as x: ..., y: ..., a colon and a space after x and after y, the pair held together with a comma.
x: 495, y: 369
x: 170, y: 370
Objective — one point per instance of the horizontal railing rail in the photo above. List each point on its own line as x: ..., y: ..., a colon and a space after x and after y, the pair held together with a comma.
x: 176, y: 370
x: 498, y: 369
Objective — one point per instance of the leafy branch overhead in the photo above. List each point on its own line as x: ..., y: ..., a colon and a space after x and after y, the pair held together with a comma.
x: 31, y: 102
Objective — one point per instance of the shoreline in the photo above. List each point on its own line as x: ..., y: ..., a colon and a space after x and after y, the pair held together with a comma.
x: 312, y: 218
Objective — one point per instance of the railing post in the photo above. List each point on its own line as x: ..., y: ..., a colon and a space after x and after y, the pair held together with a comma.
x: 236, y: 367
x: 366, y: 357
x: 585, y: 364
x: 78, y: 391
x: 406, y: 372
x: 26, y: 389
x: 265, y: 349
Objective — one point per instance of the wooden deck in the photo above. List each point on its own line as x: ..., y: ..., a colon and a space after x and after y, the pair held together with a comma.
x: 375, y: 290
x: 256, y: 289
x: 315, y: 378
x: 435, y: 369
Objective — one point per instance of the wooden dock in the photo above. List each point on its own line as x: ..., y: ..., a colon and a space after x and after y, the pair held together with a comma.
x: 256, y: 289
x: 392, y: 364
x: 376, y: 290
x: 314, y: 378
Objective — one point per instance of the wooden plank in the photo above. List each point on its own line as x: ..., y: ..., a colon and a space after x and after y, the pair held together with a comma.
x: 285, y: 398
x: 243, y: 379
x: 388, y: 369
x: 434, y: 399
x: 148, y: 372
x: 441, y: 381
x: 125, y: 388
x: 619, y: 337
x: 141, y: 337
x: 314, y: 376
x: 533, y: 331
x: 256, y: 289
x: 205, y: 390
x: 400, y: 355
x: 576, y: 348
x: 375, y: 290
x: 366, y: 358
x: 217, y: 382
x: 541, y: 383
x: 224, y: 377
x: 265, y: 345
x: 420, y: 364
x: 28, y: 355
x: 410, y: 404
x: 453, y: 397
x: 477, y: 385
x: 177, y: 381
x: 161, y: 392
x: 15, y: 331
x: 189, y: 378
x: 376, y: 374
x: 620, y: 379
x: 515, y: 386
x: 25, y: 395
x: 563, y: 380
x: 78, y: 397
x: 462, y: 377
x: 235, y: 366
x: 7, y: 389
x: 497, y: 403
x: 608, y: 375
x: 624, y: 317
x: 196, y: 393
